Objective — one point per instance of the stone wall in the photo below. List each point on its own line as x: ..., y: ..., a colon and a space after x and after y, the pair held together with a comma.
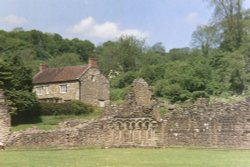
x: 101, y: 133
x: 219, y: 125
x: 53, y: 91
x: 94, y: 88
x: 89, y: 133
x: 136, y: 123
x: 138, y: 103
x: 4, y: 119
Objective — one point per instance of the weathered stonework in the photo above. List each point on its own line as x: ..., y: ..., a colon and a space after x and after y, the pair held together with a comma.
x: 138, y: 103
x: 94, y: 88
x: 85, y: 133
x: 219, y: 125
x: 53, y: 91
x: 136, y: 123
x: 4, y: 119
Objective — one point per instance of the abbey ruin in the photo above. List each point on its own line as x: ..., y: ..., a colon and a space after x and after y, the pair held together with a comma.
x: 136, y: 123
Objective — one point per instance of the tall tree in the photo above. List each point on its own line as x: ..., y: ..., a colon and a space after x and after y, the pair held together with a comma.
x: 5, y: 74
x: 121, y: 56
x: 15, y: 79
x: 205, y: 38
x: 84, y: 48
x: 228, y: 14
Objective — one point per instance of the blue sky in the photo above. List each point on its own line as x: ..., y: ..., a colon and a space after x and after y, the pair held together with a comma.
x: 168, y: 21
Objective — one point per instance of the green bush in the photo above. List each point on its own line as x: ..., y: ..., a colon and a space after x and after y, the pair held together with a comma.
x: 67, y: 108
x: 199, y: 94
x: 24, y: 107
x: 123, y: 80
x: 118, y: 94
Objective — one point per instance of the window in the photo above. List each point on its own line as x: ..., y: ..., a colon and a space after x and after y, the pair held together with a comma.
x: 101, y: 103
x: 93, y: 78
x: 63, y: 88
x: 46, y: 89
x: 39, y: 90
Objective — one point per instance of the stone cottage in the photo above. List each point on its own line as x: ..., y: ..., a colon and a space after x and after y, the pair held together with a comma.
x: 84, y: 83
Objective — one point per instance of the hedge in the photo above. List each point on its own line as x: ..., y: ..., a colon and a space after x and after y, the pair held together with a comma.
x: 67, y: 108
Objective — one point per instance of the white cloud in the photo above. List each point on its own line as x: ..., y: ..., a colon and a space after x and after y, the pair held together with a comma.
x: 192, y: 17
x: 13, y: 19
x: 106, y: 30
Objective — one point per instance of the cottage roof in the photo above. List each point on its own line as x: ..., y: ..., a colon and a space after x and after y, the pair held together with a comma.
x: 62, y: 74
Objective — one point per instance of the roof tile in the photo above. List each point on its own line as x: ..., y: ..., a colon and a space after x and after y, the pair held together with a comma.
x: 61, y: 74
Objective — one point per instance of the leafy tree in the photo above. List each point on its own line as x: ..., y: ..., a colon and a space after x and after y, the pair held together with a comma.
x: 179, y: 54
x: 84, y: 48
x: 5, y: 74
x: 158, y: 48
x: 152, y: 58
x: 123, y: 55
x: 16, y: 83
x: 228, y: 14
x: 152, y: 73
x: 24, y: 107
x: 237, y: 82
x: 66, y: 59
x: 124, y: 79
x: 206, y: 38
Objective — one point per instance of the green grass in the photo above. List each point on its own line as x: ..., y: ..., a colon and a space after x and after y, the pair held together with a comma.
x: 125, y: 158
x: 50, y: 122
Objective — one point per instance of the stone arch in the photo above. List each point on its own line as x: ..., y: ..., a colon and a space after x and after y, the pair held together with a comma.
x: 133, y: 125
x: 127, y: 125
x: 146, y: 125
x: 120, y: 126
x: 139, y: 125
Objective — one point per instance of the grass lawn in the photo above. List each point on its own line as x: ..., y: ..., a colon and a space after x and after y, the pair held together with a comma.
x: 87, y: 157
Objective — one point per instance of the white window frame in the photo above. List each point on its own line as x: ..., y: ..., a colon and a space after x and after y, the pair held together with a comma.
x: 39, y: 90
x: 46, y: 89
x: 63, y: 88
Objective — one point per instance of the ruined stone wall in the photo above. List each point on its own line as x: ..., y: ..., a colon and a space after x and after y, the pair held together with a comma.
x: 82, y: 133
x: 137, y: 132
x: 132, y: 124
x: 101, y: 133
x: 219, y: 125
x: 138, y: 103
x: 136, y: 123
x: 4, y: 119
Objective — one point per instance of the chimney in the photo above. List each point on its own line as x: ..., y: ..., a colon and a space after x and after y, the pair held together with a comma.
x: 92, y: 62
x: 42, y: 67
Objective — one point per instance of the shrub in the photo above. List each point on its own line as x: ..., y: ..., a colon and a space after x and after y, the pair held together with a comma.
x: 67, y: 108
x: 199, y: 94
x: 24, y: 107
x: 118, y: 94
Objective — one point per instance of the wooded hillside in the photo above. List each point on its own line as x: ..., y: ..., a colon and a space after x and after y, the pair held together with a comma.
x: 217, y: 64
